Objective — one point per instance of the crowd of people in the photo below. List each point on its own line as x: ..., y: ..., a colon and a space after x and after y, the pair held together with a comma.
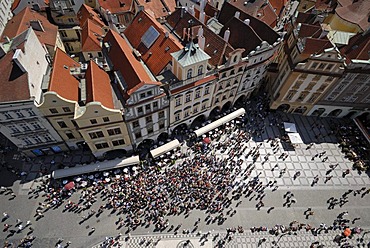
x: 180, y: 182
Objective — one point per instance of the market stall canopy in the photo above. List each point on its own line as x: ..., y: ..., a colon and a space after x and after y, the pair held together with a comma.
x: 165, y: 148
x: 99, y: 166
x: 219, y: 122
x: 290, y: 127
x: 295, y: 138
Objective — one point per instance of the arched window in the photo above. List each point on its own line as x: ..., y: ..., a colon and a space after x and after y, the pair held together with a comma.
x: 200, y: 70
x: 189, y: 74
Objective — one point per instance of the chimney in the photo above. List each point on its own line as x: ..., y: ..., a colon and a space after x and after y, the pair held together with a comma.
x: 17, y: 55
x: 191, y: 10
x: 200, y: 31
x: 227, y: 35
x: 202, y: 5
x: 201, y: 42
x: 237, y: 14
x: 166, y: 34
x: 201, y: 17
x: 247, y: 21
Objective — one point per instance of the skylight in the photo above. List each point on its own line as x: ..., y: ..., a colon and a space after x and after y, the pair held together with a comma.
x: 149, y: 37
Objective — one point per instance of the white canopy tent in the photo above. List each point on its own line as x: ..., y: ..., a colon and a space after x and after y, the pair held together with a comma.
x: 165, y: 148
x: 295, y: 138
x: 290, y: 127
x: 99, y: 166
x: 219, y: 122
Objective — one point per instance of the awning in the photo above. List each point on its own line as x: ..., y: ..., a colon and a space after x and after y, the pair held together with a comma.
x: 290, y: 127
x: 219, y: 122
x: 165, y: 148
x: 295, y: 138
x: 99, y: 166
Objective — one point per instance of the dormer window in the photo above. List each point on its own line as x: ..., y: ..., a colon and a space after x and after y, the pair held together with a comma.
x: 189, y: 74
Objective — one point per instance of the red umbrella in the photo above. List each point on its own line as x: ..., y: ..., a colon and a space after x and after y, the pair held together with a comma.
x: 207, y: 140
x: 69, y: 186
x: 347, y: 232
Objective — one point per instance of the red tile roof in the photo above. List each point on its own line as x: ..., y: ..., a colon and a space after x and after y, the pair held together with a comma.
x: 355, y: 12
x: 62, y: 81
x: 316, y: 46
x: 91, y: 35
x: 117, y: 6
x: 13, y: 82
x: 214, y: 44
x: 241, y: 35
x: 87, y: 13
x: 264, y: 31
x: 357, y: 48
x: 159, y: 54
x: 98, y: 88
x: 307, y: 30
x: 21, y: 22
x: 15, y: 4
x: 124, y: 61
x: 266, y: 11
x: 156, y: 6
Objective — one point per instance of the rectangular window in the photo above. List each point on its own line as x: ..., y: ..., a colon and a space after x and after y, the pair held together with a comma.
x: 197, y: 94
x: 206, y: 91
x: 14, y: 129
x: 302, y: 96
x: 95, y: 135
x: 148, y: 119
x: 118, y: 142
x: 70, y: 135
x: 161, y: 125
x: 178, y: 101
x: 25, y: 127
x: 290, y: 95
x: 161, y: 114
x: 27, y: 141
x: 322, y: 66
x: 135, y: 124
x: 101, y: 145
x: 19, y: 114
x: 316, y: 78
x: 142, y: 95
x: 155, y: 105
x: 329, y: 79
x: 188, y: 98
x: 100, y: 55
x: 329, y: 67
x: 195, y: 109
x: 30, y: 112
x: 114, y: 131
x: 35, y: 125
x: 322, y: 87
x: 150, y: 130
x: 37, y: 139
x: 53, y: 111
x: 62, y: 124
x: 7, y: 115
x: 138, y: 135
x: 66, y: 109
x: 314, y: 65
x: 149, y: 93
x: 140, y: 110
x: 147, y: 107
x: 106, y: 119
x: 177, y: 116
x: 93, y: 121
x: 47, y: 137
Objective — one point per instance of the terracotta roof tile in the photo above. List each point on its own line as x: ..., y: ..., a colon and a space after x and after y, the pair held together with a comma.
x: 214, y: 44
x: 91, y: 35
x: 307, y: 30
x: 21, y: 22
x: 116, y: 6
x: 15, y: 4
x: 98, y: 88
x: 87, y: 13
x: 124, y: 61
x: 355, y: 12
x: 357, y: 48
x: 156, y: 6
x: 141, y: 84
x: 316, y: 46
x: 159, y: 54
x: 241, y: 35
x: 268, y: 15
x: 13, y: 82
x: 62, y: 81
x: 264, y: 31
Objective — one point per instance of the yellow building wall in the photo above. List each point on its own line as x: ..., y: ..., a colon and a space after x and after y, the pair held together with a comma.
x: 95, y: 111
x: 337, y: 23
